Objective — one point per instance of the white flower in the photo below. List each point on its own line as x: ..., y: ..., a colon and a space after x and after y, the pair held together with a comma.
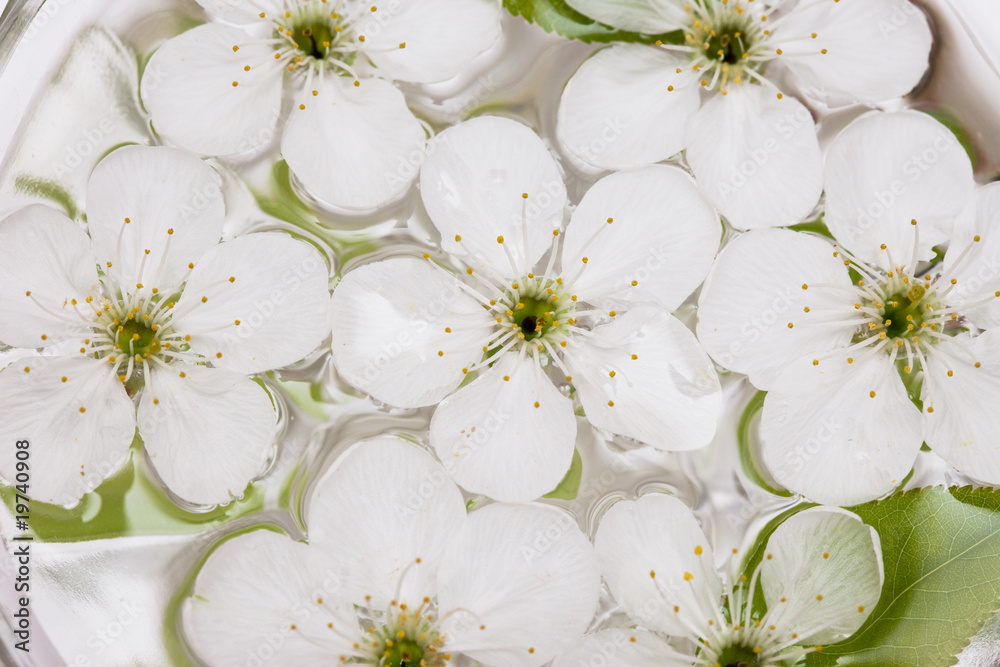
x: 218, y: 89
x: 147, y: 316
x: 396, y: 573
x: 408, y: 331
x: 753, y: 149
x: 821, y: 576
x: 842, y: 337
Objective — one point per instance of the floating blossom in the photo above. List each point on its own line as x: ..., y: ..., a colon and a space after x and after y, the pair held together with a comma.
x: 821, y: 576
x: 398, y: 578
x: 218, y: 89
x: 753, y: 148
x: 541, y: 312
x: 846, y: 337
x: 147, y: 316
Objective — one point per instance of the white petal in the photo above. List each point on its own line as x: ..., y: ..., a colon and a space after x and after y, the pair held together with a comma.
x: 875, y: 49
x: 45, y: 253
x: 664, y: 235
x: 622, y: 648
x: 77, y: 419
x: 617, y: 111
x: 472, y: 185
x: 978, y: 272
x: 207, y: 433
x: 511, y: 440
x: 886, y: 169
x: 187, y: 87
x: 157, y: 190
x: 389, y: 323
x: 528, y: 575
x: 963, y: 427
x: 668, y: 396
x: 658, y: 535
x: 828, y: 552
x: 280, y: 298
x: 355, y: 147
x: 257, y: 596
x: 433, y: 52
x: 649, y: 16
x: 825, y: 436
x: 756, y: 156
x: 235, y: 11
x: 754, y: 291
x: 385, y: 505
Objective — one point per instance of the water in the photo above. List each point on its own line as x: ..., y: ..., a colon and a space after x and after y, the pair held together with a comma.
x: 127, y: 543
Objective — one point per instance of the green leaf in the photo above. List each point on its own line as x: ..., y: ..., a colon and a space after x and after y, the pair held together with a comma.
x: 941, y: 549
x: 747, y: 460
x: 558, y: 17
x: 570, y: 485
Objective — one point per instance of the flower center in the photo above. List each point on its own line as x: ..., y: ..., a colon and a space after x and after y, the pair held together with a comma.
x: 727, y: 37
x: 313, y: 38
x: 741, y: 645
x: 403, y: 653
x: 535, y: 309
x: 897, y: 312
x: 130, y: 332
x: 138, y: 337
x: 405, y: 637
x: 535, y: 317
x: 903, y: 312
x: 316, y: 38
x: 739, y: 655
x: 316, y: 34
x: 725, y: 42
